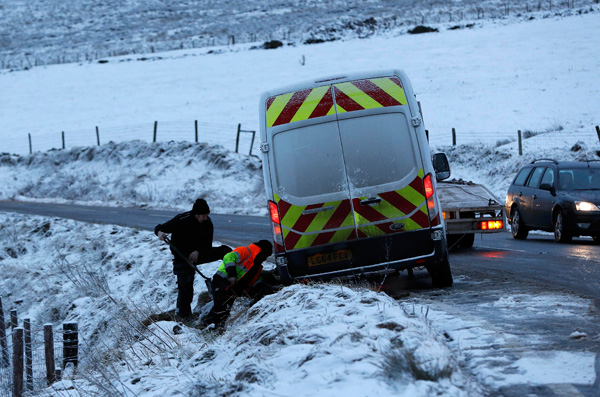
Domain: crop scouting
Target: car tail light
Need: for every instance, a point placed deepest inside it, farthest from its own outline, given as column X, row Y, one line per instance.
column 434, row 215
column 490, row 225
column 276, row 226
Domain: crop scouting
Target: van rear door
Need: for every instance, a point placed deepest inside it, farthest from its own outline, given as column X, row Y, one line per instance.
column 381, row 156
column 307, row 172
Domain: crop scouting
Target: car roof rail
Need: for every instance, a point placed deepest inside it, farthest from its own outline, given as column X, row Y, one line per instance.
column 589, row 161
column 551, row 160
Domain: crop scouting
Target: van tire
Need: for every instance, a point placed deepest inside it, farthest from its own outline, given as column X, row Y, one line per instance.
column 284, row 276
column 441, row 275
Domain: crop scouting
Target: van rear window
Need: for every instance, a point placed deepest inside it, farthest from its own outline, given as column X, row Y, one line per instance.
column 308, row 161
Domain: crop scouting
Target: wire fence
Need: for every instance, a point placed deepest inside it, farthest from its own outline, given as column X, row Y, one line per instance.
column 234, row 138
column 230, row 136
column 33, row 357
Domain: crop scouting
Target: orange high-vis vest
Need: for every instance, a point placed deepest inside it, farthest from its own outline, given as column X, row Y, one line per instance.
column 243, row 259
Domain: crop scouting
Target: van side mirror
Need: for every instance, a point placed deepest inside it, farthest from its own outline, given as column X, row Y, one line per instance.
column 441, row 166
column 548, row 187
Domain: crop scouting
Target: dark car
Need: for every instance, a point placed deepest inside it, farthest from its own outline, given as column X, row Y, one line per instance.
column 556, row 196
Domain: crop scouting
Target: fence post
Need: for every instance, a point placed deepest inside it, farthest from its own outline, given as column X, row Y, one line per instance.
column 17, row 362
column 30, row 151
column 598, row 132
column 155, row 128
column 13, row 319
column 252, row 142
column 453, row 137
column 28, row 354
column 196, row 129
column 98, row 135
column 63, row 139
column 70, row 344
column 237, row 139
column 4, row 362
column 49, row 354
column 520, row 144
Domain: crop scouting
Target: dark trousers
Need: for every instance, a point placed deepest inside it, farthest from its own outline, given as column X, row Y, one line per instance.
column 185, row 279
column 223, row 299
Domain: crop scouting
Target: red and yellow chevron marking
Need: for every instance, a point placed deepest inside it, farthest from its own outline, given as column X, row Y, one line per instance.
column 300, row 105
column 369, row 94
column 350, row 96
column 410, row 200
column 306, row 230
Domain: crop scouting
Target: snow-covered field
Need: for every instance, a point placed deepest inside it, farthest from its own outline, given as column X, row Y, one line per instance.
column 338, row 339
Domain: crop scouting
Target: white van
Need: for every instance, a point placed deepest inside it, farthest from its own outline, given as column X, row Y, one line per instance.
column 349, row 179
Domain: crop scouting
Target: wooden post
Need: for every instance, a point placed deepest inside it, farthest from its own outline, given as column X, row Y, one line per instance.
column 49, row 354
column 453, row 137
column 252, row 142
column 598, row 132
column 28, row 354
column 155, row 128
column 63, row 139
column 13, row 319
column 4, row 360
column 196, row 129
column 98, row 135
column 17, row 362
column 30, row 150
column 70, row 344
column 237, row 140
column 520, row 144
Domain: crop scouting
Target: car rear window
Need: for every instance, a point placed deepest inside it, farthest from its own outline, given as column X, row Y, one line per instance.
column 522, row 177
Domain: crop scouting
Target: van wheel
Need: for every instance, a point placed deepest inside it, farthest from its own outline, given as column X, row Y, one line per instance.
column 441, row 275
column 561, row 234
column 517, row 227
column 284, row 276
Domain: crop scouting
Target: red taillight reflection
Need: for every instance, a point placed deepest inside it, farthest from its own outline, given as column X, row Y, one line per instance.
column 428, row 186
column 490, row 225
column 274, row 211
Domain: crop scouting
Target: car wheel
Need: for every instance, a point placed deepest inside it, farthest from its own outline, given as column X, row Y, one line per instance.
column 561, row 234
column 517, row 227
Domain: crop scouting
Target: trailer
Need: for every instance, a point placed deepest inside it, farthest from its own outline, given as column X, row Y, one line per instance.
column 469, row 208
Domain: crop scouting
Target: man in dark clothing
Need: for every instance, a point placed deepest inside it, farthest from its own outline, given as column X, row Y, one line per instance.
column 239, row 274
column 191, row 235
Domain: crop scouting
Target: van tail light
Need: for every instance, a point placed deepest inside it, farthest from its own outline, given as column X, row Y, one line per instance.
column 490, row 225
column 276, row 227
column 434, row 213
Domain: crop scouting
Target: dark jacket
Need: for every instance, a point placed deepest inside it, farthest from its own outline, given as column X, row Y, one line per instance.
column 188, row 236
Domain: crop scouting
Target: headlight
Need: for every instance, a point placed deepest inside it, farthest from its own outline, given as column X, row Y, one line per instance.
column 585, row 206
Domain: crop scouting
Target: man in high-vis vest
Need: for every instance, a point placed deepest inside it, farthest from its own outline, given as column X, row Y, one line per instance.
column 238, row 275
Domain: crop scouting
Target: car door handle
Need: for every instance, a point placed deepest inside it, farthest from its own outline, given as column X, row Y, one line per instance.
column 520, row 194
column 534, row 196
column 371, row 201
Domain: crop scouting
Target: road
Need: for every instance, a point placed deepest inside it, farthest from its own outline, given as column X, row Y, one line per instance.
column 521, row 297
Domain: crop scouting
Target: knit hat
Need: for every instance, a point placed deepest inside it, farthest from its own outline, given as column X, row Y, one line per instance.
column 265, row 246
column 200, row 207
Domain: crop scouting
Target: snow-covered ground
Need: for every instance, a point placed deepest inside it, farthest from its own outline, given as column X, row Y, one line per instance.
column 541, row 75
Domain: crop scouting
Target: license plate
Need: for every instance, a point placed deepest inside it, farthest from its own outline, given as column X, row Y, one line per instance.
column 329, row 257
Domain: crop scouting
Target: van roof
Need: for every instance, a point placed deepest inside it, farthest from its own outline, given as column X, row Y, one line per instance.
column 332, row 79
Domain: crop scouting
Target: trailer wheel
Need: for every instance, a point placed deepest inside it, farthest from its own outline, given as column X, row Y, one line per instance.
column 467, row 240
column 441, row 275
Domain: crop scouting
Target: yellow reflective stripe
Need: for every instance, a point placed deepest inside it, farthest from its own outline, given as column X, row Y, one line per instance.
column 342, row 235
column 413, row 196
column 306, row 240
column 372, row 231
column 393, row 89
column 310, row 103
column 358, row 96
column 340, row 109
column 292, row 216
column 277, row 107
